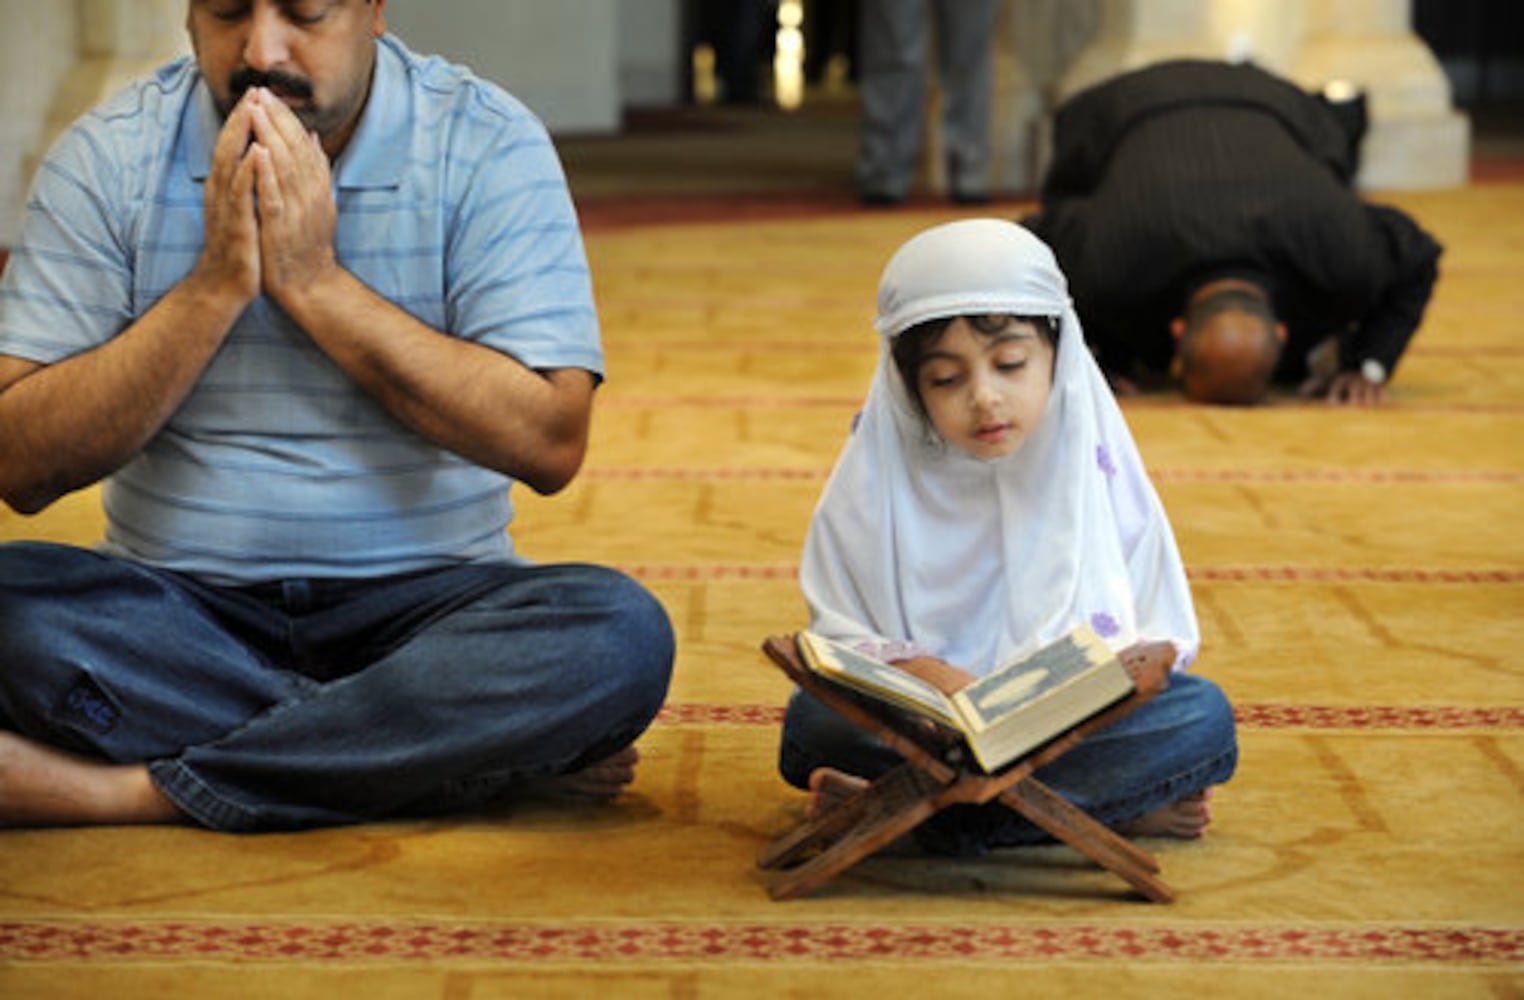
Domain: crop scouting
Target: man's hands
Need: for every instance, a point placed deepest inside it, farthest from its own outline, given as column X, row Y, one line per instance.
column 297, row 214
column 1345, row 389
column 271, row 221
column 270, row 213
column 229, row 264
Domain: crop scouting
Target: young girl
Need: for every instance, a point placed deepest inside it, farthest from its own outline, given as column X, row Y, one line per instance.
column 989, row 500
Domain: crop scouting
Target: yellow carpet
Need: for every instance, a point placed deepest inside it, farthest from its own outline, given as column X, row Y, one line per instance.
column 1360, row 580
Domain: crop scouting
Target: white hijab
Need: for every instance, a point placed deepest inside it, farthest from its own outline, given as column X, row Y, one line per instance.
column 977, row 562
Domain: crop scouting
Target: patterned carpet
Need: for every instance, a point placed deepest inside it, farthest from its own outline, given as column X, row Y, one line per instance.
column 1360, row 580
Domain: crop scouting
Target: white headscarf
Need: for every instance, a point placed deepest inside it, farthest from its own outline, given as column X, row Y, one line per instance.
column 977, row 562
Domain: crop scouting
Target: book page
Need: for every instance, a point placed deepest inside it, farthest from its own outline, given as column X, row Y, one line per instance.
column 841, row 663
column 988, row 699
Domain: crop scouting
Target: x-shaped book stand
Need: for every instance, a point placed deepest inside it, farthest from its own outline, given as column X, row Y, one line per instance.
column 907, row 795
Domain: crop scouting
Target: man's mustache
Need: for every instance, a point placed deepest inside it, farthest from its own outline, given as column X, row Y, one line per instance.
column 283, row 84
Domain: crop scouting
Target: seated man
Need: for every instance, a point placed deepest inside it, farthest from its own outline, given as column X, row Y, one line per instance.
column 1205, row 217
column 309, row 304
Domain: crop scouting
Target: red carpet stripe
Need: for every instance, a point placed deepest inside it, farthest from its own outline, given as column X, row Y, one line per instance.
column 655, row 572
column 1473, row 350
column 368, row 941
column 853, row 345
column 780, row 401
column 706, row 475
column 1337, row 476
column 696, row 573
column 728, row 402
column 1351, row 574
column 1428, row 718
column 1343, row 476
column 782, row 348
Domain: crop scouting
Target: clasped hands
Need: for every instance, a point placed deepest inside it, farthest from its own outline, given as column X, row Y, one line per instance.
column 270, row 212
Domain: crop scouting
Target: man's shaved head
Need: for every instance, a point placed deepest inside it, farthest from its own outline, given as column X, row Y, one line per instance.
column 1230, row 348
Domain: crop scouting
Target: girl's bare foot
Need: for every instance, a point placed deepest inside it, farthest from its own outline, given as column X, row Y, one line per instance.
column 598, row 782
column 41, row 786
column 829, row 787
column 1186, row 818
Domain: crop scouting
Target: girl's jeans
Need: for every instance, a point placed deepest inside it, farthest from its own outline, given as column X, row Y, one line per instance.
column 315, row 702
column 1180, row 742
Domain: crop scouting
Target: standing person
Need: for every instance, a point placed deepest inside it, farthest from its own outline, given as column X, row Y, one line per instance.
column 741, row 33
column 894, row 43
column 989, row 500
column 309, row 304
column 1205, row 215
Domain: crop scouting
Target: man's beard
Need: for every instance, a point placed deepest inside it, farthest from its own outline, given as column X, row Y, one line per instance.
column 284, row 85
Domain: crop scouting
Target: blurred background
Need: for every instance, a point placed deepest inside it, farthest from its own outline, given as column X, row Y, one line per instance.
column 692, row 99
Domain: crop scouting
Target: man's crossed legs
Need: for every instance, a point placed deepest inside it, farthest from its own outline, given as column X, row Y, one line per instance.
column 129, row 694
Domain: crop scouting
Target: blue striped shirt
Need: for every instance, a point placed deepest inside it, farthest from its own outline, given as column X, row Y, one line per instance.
column 452, row 204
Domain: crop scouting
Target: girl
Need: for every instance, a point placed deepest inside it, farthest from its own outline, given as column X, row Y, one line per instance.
column 990, row 499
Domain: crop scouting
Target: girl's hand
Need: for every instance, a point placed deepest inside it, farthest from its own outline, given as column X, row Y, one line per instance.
column 1149, row 664
column 939, row 674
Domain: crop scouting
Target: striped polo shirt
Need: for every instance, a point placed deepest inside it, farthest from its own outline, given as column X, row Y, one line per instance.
column 452, row 204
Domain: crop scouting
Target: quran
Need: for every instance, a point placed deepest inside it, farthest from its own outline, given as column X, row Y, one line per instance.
column 1000, row 717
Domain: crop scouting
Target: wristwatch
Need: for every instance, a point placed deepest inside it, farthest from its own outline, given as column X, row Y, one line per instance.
column 1373, row 371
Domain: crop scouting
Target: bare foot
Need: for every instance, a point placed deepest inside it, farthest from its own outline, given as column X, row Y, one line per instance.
column 598, row 782
column 1186, row 818
column 828, row 788
column 41, row 786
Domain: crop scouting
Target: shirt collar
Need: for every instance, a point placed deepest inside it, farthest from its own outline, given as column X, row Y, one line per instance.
column 376, row 155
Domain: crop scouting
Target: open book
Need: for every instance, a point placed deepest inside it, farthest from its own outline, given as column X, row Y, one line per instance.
column 1002, row 716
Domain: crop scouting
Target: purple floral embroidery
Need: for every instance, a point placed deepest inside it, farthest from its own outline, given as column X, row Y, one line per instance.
column 1103, row 459
column 890, row 650
column 1105, row 626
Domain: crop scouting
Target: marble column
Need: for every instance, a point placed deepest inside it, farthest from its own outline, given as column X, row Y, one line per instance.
column 1136, row 33
column 37, row 50
column 1416, row 138
column 1035, row 41
column 61, row 59
column 119, row 41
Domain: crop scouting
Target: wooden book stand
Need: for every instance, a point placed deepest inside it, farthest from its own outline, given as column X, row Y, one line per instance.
column 907, row 795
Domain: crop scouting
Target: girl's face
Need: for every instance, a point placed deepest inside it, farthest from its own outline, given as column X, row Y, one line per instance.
column 985, row 393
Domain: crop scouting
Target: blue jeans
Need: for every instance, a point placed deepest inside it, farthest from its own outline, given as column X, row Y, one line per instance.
column 1181, row 741
column 307, row 703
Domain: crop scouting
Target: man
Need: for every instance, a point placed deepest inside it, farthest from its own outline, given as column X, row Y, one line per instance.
column 1204, row 215
column 894, row 47
column 309, row 304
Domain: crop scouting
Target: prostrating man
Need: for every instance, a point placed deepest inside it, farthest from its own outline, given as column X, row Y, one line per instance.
column 1205, row 216
column 309, row 304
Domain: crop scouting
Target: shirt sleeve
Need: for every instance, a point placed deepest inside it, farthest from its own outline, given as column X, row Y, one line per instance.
column 1383, row 333
column 517, row 270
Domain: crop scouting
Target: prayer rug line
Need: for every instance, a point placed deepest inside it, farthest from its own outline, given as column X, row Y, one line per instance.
column 853, row 347
column 1257, row 715
column 614, row 941
column 853, row 403
column 689, row 572
column 1167, row 475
